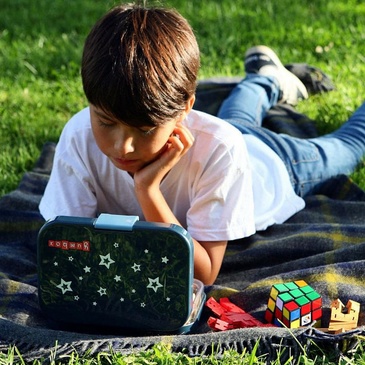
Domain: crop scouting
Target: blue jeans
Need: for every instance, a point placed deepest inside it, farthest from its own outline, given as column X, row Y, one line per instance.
column 310, row 162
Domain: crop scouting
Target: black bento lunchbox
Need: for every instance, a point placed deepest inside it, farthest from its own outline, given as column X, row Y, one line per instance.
column 116, row 271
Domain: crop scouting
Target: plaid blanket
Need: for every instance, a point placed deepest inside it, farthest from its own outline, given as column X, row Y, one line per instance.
column 324, row 245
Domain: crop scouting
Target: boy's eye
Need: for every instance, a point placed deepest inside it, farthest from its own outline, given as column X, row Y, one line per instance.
column 147, row 131
column 105, row 124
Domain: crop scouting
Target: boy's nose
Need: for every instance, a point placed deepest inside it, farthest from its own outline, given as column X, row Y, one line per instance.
column 124, row 145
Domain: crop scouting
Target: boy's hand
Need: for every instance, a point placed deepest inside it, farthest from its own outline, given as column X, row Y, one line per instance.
column 177, row 145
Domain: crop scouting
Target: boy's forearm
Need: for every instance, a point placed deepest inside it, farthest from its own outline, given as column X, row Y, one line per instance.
column 155, row 207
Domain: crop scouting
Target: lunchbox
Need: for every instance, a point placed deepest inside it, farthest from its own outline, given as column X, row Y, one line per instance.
column 118, row 272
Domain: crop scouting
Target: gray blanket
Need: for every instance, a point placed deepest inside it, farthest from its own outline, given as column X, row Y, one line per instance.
column 324, row 245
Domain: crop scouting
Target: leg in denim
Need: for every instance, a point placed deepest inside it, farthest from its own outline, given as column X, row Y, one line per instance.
column 250, row 100
column 309, row 162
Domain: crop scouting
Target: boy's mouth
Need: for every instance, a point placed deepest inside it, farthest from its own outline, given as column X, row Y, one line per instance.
column 124, row 163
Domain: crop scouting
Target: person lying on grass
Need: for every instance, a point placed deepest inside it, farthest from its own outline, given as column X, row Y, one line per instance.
column 140, row 149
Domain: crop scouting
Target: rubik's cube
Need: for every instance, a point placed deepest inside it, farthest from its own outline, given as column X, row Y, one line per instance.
column 293, row 304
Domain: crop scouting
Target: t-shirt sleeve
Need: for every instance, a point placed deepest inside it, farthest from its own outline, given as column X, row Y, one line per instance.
column 67, row 193
column 69, row 190
column 222, row 206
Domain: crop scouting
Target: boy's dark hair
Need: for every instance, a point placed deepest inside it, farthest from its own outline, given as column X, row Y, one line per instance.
column 140, row 64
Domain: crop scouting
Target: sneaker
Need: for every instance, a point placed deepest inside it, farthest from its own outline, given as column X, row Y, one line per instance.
column 313, row 78
column 263, row 60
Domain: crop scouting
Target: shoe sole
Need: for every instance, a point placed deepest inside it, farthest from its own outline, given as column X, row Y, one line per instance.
column 272, row 56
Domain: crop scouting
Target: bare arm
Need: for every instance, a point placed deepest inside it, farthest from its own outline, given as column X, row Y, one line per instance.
column 208, row 256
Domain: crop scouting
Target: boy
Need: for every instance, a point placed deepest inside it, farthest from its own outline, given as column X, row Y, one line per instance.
column 140, row 149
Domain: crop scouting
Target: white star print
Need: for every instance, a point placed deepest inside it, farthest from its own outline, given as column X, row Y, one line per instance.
column 102, row 291
column 116, row 244
column 87, row 269
column 164, row 260
column 65, row 286
column 70, row 258
column 106, row 260
column 154, row 284
column 117, row 278
column 136, row 267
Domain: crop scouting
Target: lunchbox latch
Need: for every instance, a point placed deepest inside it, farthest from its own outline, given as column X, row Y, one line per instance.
column 115, row 222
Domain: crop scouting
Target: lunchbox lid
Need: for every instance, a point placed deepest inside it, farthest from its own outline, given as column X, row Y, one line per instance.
column 116, row 271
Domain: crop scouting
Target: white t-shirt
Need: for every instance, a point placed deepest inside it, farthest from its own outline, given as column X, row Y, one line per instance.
column 211, row 190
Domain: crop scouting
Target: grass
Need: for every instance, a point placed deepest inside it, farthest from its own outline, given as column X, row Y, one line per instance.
column 41, row 44
column 161, row 355
column 40, row 49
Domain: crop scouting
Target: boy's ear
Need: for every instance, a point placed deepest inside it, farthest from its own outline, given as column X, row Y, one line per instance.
column 190, row 104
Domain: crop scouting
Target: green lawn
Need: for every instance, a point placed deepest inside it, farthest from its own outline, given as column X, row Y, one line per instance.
column 41, row 43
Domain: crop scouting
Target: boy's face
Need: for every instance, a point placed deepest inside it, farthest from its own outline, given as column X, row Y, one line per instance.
column 129, row 148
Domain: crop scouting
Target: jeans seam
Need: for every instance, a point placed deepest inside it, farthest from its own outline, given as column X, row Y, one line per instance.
column 312, row 159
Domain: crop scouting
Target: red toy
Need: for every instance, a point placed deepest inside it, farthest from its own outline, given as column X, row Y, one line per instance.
column 230, row 316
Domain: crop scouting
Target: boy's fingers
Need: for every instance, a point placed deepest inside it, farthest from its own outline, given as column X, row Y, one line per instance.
column 184, row 135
